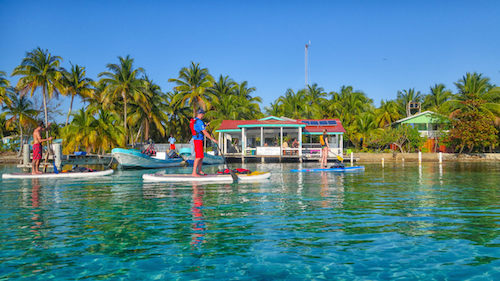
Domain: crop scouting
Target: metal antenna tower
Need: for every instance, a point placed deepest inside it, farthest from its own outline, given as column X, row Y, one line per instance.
column 307, row 63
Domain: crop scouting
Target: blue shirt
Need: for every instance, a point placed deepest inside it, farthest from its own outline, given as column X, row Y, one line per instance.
column 199, row 126
column 171, row 140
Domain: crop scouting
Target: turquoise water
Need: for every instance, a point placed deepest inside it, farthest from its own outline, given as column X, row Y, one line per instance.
column 397, row 222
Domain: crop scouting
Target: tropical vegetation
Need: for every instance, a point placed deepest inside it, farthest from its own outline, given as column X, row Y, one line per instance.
column 123, row 106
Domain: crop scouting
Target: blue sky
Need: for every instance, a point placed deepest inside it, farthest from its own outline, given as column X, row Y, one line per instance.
column 378, row 47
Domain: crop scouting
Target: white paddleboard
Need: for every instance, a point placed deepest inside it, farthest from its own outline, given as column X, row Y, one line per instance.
column 216, row 178
column 59, row 175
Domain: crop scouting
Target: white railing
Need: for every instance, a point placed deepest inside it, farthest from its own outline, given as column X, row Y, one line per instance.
column 432, row 133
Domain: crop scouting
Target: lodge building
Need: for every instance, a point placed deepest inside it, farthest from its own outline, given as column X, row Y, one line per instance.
column 279, row 137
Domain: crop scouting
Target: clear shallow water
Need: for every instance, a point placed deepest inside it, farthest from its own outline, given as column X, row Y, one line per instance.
column 399, row 222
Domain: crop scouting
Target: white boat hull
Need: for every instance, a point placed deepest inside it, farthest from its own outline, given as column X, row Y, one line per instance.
column 59, row 175
column 129, row 160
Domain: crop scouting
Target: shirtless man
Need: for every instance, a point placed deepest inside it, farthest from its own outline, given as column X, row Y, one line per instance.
column 37, row 147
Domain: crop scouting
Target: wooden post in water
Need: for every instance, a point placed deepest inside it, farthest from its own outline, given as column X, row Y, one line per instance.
column 352, row 159
column 419, row 157
column 440, row 157
column 382, row 162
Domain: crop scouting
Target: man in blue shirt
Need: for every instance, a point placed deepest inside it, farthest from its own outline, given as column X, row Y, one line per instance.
column 198, row 130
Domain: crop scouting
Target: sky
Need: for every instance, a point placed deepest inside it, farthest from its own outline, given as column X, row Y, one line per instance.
column 378, row 47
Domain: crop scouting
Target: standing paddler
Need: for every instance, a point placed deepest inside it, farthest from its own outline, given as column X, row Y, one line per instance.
column 198, row 130
column 37, row 147
column 325, row 147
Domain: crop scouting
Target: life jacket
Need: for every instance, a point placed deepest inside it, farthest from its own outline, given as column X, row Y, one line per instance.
column 193, row 131
column 322, row 140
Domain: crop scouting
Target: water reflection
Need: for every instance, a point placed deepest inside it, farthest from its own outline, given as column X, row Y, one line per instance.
column 35, row 210
column 199, row 227
column 324, row 192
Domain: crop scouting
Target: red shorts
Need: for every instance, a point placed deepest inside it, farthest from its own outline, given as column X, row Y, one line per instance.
column 198, row 148
column 172, row 146
column 37, row 151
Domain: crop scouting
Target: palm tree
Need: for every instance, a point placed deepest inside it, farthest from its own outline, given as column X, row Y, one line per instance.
column 476, row 87
column 243, row 90
column 179, row 117
column 273, row 109
column 353, row 103
column 295, row 105
column 435, row 100
column 387, row 113
column 234, row 108
column 76, row 84
column 406, row 96
column 80, row 132
column 94, row 135
column 3, row 127
column 333, row 106
column 22, row 115
column 348, row 105
column 39, row 69
column 364, row 124
column 110, row 133
column 315, row 93
column 192, row 86
column 123, row 83
column 4, row 85
column 154, row 114
column 224, row 86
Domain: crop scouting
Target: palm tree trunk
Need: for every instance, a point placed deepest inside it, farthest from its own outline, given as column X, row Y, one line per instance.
column 45, row 111
column 138, row 133
column 146, row 131
column 125, row 116
column 21, row 139
column 69, row 111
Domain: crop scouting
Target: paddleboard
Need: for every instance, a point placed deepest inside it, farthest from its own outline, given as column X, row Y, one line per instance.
column 59, row 175
column 216, row 178
column 345, row 169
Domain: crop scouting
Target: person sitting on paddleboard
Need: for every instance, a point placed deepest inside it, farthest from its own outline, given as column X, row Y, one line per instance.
column 37, row 147
column 198, row 130
column 323, row 139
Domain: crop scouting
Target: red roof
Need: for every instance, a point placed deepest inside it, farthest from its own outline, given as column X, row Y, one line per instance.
column 337, row 128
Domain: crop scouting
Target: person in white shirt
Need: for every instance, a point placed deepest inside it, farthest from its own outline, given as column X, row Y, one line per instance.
column 172, row 140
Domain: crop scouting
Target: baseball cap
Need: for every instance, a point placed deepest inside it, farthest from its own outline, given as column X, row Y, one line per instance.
column 201, row 111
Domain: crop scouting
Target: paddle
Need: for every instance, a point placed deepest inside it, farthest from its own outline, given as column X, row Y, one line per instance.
column 233, row 175
column 49, row 150
column 339, row 158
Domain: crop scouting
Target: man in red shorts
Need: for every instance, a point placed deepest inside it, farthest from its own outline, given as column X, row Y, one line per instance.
column 172, row 140
column 198, row 130
column 37, row 147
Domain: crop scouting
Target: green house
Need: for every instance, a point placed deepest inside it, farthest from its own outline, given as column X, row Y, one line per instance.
column 428, row 123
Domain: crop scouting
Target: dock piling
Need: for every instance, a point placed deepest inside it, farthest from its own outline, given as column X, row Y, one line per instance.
column 26, row 155
column 57, row 155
